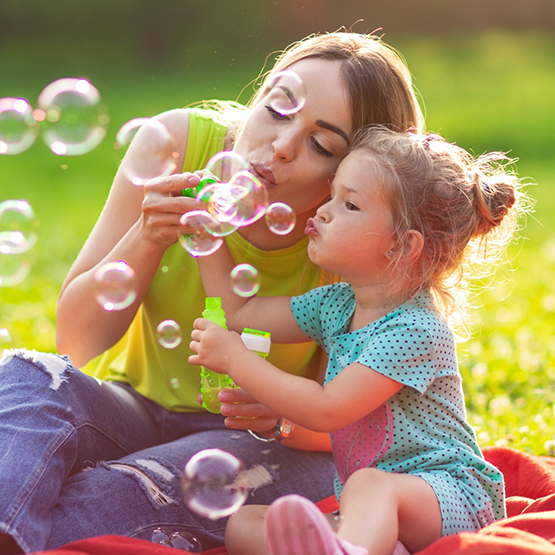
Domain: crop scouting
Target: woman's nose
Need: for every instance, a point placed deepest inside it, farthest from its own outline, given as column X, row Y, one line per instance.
column 285, row 145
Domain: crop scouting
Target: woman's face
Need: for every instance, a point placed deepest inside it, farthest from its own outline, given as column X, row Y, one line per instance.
column 296, row 155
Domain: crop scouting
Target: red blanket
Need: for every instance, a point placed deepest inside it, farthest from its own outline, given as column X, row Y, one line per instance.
column 528, row 530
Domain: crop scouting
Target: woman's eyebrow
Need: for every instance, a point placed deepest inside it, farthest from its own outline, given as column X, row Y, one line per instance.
column 334, row 129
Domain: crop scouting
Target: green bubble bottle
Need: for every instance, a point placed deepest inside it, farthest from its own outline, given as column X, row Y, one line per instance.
column 211, row 383
column 205, row 180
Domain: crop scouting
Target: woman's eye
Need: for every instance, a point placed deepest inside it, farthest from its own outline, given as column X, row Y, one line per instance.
column 351, row 206
column 321, row 150
column 275, row 114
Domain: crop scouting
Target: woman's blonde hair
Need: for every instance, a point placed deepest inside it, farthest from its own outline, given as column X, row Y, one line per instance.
column 378, row 81
column 466, row 209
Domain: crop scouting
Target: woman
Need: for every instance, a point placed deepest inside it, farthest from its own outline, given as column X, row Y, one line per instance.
column 133, row 412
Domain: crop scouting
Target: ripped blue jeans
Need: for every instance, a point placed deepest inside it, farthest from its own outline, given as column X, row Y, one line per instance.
column 81, row 458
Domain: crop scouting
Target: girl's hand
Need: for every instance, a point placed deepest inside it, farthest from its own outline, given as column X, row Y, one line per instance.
column 164, row 204
column 216, row 347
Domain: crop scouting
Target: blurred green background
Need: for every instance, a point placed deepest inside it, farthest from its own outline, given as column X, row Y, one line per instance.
column 485, row 70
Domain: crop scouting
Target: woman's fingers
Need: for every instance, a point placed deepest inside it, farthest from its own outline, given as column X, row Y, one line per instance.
column 164, row 204
column 173, row 184
column 254, row 424
column 244, row 412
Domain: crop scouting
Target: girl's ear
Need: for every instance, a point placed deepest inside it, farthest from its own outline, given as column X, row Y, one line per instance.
column 414, row 243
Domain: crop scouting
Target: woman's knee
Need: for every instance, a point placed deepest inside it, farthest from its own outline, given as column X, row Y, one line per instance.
column 25, row 366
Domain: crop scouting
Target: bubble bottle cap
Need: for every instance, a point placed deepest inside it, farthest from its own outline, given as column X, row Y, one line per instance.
column 256, row 340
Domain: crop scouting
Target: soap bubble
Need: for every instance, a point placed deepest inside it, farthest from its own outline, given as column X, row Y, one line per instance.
column 168, row 334
column 116, row 285
column 221, row 206
column 287, row 94
column 225, row 164
column 186, row 542
column 18, row 127
column 179, row 539
column 214, row 483
column 18, row 227
column 155, row 151
column 128, row 131
column 73, row 118
column 14, row 268
column 175, row 383
column 193, row 234
column 251, row 199
column 245, row 280
column 222, row 203
column 6, row 342
column 280, row 218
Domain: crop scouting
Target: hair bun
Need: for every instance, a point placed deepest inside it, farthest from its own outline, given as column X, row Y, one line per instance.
column 495, row 194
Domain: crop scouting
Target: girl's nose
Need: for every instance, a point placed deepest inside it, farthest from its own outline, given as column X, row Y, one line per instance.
column 323, row 212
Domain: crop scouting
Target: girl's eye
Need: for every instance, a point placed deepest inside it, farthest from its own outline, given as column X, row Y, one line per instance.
column 351, row 206
column 275, row 114
column 321, row 150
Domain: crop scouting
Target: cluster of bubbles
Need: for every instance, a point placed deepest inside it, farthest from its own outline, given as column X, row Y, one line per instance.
column 234, row 198
column 69, row 117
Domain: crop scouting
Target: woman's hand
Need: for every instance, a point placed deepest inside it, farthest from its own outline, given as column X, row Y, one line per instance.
column 164, row 204
column 244, row 412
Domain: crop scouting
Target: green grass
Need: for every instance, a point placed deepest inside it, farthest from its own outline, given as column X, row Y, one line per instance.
column 489, row 91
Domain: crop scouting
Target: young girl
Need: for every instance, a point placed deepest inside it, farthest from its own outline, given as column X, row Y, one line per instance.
column 405, row 215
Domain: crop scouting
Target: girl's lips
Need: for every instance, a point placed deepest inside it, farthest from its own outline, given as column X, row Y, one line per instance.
column 264, row 175
column 311, row 228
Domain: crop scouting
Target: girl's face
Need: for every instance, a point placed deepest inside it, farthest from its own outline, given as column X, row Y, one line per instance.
column 352, row 234
column 295, row 156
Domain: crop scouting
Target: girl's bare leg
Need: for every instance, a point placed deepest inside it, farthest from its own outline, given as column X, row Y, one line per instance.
column 379, row 508
column 244, row 533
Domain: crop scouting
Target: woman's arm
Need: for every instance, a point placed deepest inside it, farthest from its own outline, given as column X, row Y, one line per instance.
column 355, row 392
column 137, row 224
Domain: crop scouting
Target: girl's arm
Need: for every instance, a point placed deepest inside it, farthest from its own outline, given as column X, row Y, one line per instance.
column 355, row 392
column 271, row 314
column 247, row 413
column 137, row 224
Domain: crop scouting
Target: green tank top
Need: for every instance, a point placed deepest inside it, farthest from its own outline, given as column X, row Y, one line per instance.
column 176, row 293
